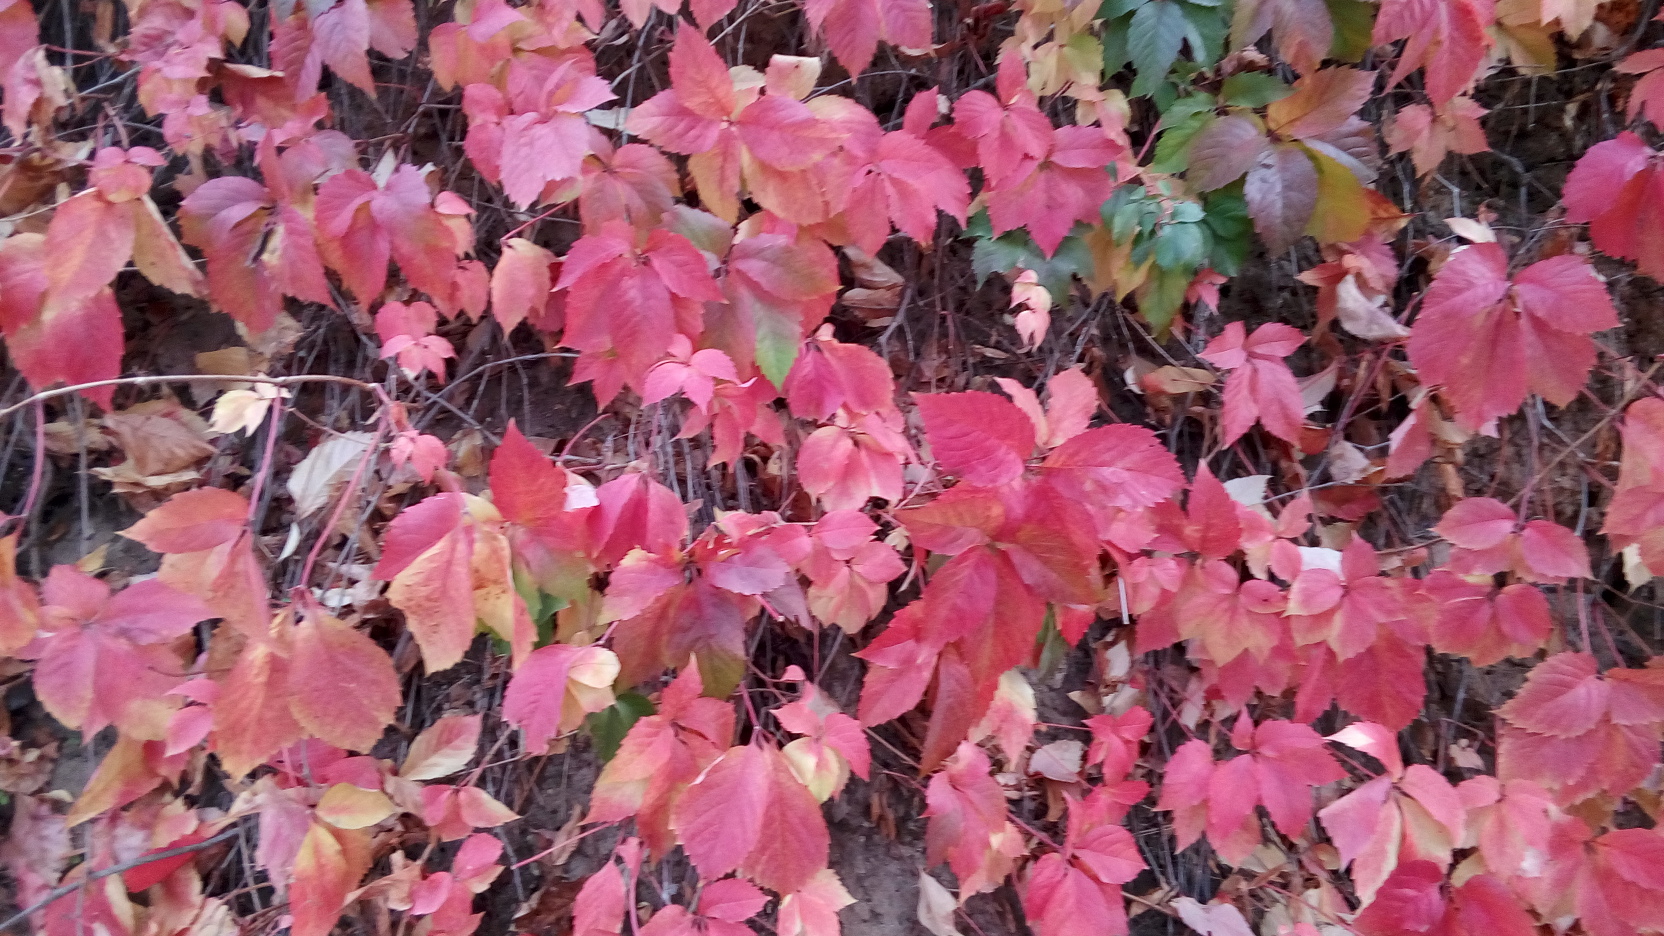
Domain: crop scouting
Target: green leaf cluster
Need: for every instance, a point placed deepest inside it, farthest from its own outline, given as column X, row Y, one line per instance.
column 1178, row 237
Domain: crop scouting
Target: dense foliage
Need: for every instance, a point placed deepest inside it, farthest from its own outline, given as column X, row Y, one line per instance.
column 1055, row 419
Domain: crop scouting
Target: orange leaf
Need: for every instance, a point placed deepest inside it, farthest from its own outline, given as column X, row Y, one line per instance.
column 321, row 883
column 252, row 717
column 343, row 686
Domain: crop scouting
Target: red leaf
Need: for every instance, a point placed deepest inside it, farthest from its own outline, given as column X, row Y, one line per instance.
column 520, row 283
column 721, row 818
column 323, row 877
column 785, row 288
column 1487, row 626
column 1633, row 518
column 812, row 910
column 913, row 180
column 38, row 339
column 362, row 225
column 1430, row 134
column 1302, row 28
column 252, row 716
column 1554, row 552
column 1484, row 906
column 1410, row 901
column 88, row 241
column 1284, row 760
column 1260, row 388
column 1120, row 466
column 343, row 686
column 555, row 688
column 731, row 900
column 853, row 27
column 103, row 659
column 636, row 511
column 1068, row 185
column 979, row 437
column 967, row 813
column 1563, row 696
column 259, row 242
column 844, row 468
column 526, row 487
column 428, row 557
column 1477, row 523
column 1011, row 136
column 1617, row 189
column 1449, row 39
column 628, row 299
column 830, row 375
column 634, row 183
column 1577, row 732
column 192, row 521
column 600, row 905
column 1533, row 337
column 1062, row 900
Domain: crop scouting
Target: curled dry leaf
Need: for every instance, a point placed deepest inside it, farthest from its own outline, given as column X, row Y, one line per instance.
column 320, row 475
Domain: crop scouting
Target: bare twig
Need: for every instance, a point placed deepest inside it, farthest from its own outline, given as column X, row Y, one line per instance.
column 192, row 378
column 65, row 890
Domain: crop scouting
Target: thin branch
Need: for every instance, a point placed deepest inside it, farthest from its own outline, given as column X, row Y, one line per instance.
column 65, row 890
column 193, row 378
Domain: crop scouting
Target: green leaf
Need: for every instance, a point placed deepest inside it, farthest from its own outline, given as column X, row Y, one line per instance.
column 1226, row 217
column 1180, row 246
column 1185, row 212
column 609, row 726
column 1162, row 297
column 1254, row 89
column 1116, row 55
column 1154, row 36
column 1127, row 218
column 990, row 255
column 1118, row 199
column 1054, row 652
column 1173, row 149
column 1115, row 9
column 778, row 338
column 1208, row 27
column 1186, row 108
column 1354, row 22
column 1016, row 249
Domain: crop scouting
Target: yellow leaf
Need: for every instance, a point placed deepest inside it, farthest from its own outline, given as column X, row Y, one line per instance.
column 817, row 766
column 1112, row 267
column 1342, row 213
column 346, row 806
column 321, row 883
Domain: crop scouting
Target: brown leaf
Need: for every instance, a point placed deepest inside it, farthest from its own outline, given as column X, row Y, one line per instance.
column 1224, row 150
column 549, row 912
column 1365, row 316
column 1321, row 102
column 1172, row 379
column 159, row 443
column 1281, row 193
column 25, row 769
column 936, row 906
column 871, row 273
column 1059, row 760
column 563, row 842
